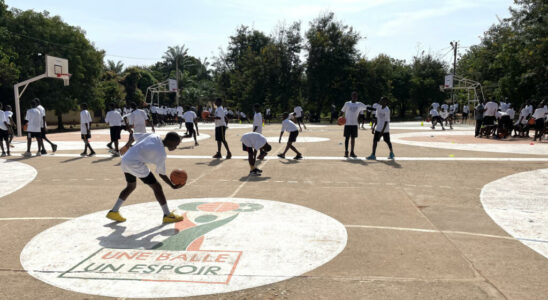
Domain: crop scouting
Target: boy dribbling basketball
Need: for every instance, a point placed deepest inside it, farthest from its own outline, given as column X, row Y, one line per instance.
column 150, row 149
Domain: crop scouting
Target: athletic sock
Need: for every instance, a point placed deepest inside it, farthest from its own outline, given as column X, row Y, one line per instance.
column 118, row 204
column 165, row 209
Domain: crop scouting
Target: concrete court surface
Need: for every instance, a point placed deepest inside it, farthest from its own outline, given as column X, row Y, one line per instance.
column 415, row 227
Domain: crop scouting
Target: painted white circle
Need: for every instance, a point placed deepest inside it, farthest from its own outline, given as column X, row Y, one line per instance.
column 502, row 147
column 14, row 175
column 304, row 139
column 223, row 245
column 519, row 204
column 79, row 145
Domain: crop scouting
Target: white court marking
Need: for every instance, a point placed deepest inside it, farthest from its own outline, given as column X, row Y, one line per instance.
column 303, row 139
column 519, row 204
column 79, row 145
column 223, row 245
column 14, row 175
column 536, row 149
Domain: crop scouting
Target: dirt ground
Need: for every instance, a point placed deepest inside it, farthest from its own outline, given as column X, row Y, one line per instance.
column 416, row 227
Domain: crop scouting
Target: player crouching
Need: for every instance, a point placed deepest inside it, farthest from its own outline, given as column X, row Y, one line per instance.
column 251, row 143
column 148, row 150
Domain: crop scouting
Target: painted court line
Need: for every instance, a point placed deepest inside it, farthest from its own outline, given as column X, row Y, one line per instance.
column 495, row 159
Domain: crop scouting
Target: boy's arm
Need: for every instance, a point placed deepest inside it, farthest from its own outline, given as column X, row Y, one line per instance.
column 280, row 140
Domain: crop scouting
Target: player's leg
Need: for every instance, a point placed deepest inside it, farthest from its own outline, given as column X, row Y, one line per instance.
column 2, row 144
column 40, row 144
column 376, row 139
column 228, row 153
column 386, row 138
column 114, row 213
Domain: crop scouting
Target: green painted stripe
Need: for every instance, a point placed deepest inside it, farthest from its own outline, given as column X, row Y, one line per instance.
column 61, row 276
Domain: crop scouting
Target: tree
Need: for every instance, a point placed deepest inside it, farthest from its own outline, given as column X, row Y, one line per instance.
column 426, row 74
column 116, row 67
column 332, row 53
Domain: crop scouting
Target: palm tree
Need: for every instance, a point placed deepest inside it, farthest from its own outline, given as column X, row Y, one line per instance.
column 117, row 67
column 178, row 58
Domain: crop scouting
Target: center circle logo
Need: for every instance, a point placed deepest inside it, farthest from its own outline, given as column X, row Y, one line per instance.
column 222, row 245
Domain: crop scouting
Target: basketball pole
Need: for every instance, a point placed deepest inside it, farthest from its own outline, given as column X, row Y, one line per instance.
column 18, row 95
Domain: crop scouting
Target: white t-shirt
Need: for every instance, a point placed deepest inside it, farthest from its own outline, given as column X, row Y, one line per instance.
column 376, row 106
column 444, row 107
column 529, row 108
column 298, row 111
column 465, row 109
column 8, row 114
column 220, row 113
column 43, row 112
column 268, row 111
column 34, row 116
column 511, row 112
column 2, row 120
column 435, row 105
column 149, row 149
column 254, row 140
column 179, row 111
column 539, row 113
column 138, row 119
column 434, row 113
column 113, row 118
column 189, row 116
column 490, row 109
column 289, row 126
column 85, row 118
column 383, row 116
column 351, row 111
column 523, row 115
column 503, row 106
column 258, row 122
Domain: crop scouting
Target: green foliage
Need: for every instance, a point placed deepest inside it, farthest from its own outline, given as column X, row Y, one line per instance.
column 512, row 57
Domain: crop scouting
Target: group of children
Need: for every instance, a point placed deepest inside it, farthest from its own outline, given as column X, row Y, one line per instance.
column 498, row 120
column 446, row 114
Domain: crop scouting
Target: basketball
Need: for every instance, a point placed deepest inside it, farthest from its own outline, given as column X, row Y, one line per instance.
column 123, row 150
column 178, row 177
column 341, row 121
column 531, row 121
column 205, row 114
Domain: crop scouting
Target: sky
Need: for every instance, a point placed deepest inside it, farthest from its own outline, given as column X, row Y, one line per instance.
column 139, row 32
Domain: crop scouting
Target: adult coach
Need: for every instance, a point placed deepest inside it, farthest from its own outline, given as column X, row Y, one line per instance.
column 351, row 111
column 251, row 143
column 148, row 150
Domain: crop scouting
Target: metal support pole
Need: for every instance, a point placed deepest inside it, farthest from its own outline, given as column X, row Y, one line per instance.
column 18, row 95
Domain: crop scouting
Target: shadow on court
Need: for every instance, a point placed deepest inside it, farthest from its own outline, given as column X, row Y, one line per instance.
column 391, row 163
column 356, row 161
column 103, row 160
column 117, row 240
column 289, row 161
column 254, row 178
column 213, row 163
column 72, row 159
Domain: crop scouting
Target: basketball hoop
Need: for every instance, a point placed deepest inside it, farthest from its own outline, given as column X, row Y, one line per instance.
column 65, row 77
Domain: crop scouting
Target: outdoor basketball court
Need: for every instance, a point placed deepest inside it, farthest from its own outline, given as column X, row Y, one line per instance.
column 452, row 217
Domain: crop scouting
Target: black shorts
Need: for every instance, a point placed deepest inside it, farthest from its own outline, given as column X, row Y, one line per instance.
column 539, row 124
column 465, row 115
column 220, row 133
column 190, row 127
column 43, row 131
column 246, row 148
column 150, row 179
column 180, row 119
column 489, row 120
column 385, row 136
column 115, row 132
column 34, row 134
column 86, row 136
column 300, row 119
column 293, row 136
column 4, row 134
column 437, row 119
column 351, row 131
column 361, row 118
column 123, row 127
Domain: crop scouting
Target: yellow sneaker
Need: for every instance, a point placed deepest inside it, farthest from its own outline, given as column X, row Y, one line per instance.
column 115, row 216
column 172, row 218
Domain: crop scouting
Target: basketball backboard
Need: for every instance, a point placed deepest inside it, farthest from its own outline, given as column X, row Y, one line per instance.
column 56, row 66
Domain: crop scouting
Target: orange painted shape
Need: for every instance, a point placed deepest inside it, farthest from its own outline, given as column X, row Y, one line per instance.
column 218, row 206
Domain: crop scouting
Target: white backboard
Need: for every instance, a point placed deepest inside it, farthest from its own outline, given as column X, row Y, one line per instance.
column 55, row 66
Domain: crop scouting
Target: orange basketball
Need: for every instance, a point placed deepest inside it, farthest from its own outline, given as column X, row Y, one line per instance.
column 205, row 114
column 341, row 121
column 178, row 176
column 531, row 121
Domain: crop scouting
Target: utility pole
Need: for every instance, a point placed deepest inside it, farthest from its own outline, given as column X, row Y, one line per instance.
column 454, row 44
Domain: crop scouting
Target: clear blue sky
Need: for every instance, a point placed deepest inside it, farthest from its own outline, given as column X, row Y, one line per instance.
column 144, row 29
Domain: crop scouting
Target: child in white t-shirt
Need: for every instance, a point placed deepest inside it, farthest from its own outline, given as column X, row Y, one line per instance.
column 257, row 119
column 220, row 129
column 34, row 128
column 191, row 120
column 251, row 143
column 4, row 132
column 382, row 129
column 85, row 129
column 148, row 150
column 289, row 126
column 299, row 116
